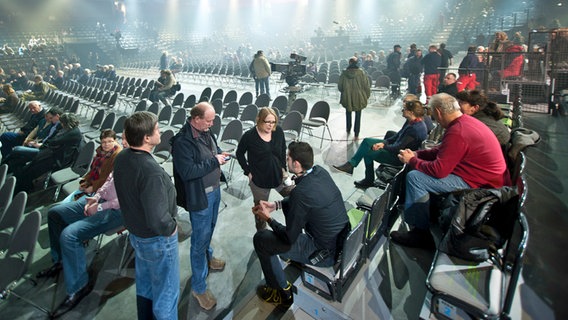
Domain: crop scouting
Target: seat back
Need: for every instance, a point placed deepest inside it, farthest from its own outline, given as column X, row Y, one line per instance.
column 217, row 105
column 178, row 100
column 108, row 122
column 179, row 118
column 281, row 103
column 154, row 108
column 3, row 173
column 119, row 125
column 165, row 115
column 11, row 218
column 22, row 245
column 351, row 254
column 262, row 100
column 190, row 101
column 163, row 150
column 205, row 93
column 84, row 158
column 6, row 194
column 233, row 131
column 320, row 111
column 231, row 111
column 97, row 119
column 230, row 96
column 216, row 127
column 249, row 113
column 141, row 106
column 300, row 105
column 218, row 94
column 246, row 98
column 332, row 282
column 292, row 125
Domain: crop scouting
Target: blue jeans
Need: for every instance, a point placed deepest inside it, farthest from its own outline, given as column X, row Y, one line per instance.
column 365, row 152
column 68, row 228
column 157, row 273
column 202, row 227
column 268, row 246
column 10, row 140
column 264, row 86
column 418, row 188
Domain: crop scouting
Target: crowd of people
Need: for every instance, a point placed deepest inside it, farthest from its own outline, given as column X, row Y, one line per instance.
column 125, row 186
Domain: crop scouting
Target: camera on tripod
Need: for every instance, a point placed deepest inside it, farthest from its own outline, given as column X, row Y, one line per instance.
column 292, row 70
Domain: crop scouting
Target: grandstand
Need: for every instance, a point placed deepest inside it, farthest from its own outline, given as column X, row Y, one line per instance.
column 215, row 41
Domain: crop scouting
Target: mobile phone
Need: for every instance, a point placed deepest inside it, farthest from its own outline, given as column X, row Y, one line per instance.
column 227, row 158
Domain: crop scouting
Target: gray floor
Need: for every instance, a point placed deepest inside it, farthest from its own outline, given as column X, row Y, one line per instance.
column 393, row 280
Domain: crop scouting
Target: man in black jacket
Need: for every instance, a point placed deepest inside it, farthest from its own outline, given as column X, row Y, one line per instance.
column 314, row 205
column 197, row 165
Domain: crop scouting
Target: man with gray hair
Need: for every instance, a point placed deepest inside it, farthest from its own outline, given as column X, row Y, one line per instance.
column 469, row 156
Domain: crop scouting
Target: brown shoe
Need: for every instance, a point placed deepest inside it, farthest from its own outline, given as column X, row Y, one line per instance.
column 216, row 264
column 346, row 167
column 206, row 300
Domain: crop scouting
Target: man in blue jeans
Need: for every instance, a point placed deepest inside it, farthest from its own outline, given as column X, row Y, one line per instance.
column 197, row 166
column 70, row 224
column 148, row 203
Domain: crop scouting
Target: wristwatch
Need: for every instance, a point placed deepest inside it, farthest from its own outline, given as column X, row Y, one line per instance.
column 269, row 221
column 100, row 207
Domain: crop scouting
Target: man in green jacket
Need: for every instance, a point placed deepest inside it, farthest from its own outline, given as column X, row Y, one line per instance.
column 355, row 91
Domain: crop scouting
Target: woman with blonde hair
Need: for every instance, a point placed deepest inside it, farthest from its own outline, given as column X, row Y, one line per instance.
column 265, row 161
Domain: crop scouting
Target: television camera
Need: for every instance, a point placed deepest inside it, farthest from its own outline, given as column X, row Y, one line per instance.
column 292, row 70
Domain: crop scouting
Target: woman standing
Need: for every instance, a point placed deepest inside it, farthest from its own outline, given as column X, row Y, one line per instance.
column 355, row 91
column 265, row 161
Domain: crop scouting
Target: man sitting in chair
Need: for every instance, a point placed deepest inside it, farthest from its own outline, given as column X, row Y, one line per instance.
column 163, row 87
column 315, row 205
column 469, row 156
column 70, row 224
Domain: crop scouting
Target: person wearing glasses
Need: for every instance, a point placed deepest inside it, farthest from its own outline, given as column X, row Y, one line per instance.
column 410, row 136
column 265, row 161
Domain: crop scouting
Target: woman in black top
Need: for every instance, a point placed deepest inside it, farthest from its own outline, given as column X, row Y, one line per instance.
column 265, row 161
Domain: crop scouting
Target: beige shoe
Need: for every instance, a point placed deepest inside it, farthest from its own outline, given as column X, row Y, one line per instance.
column 206, row 300
column 216, row 264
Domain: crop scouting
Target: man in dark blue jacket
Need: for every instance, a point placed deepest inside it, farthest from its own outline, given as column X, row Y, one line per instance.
column 197, row 165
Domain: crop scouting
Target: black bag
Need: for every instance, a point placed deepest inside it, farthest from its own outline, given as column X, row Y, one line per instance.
column 478, row 223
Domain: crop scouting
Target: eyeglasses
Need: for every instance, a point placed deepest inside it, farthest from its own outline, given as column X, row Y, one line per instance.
column 269, row 122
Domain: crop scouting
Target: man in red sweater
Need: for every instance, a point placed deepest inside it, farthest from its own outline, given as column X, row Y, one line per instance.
column 469, row 156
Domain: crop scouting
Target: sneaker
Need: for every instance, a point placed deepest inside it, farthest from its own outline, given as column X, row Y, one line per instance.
column 216, row 264
column 280, row 297
column 363, row 184
column 346, row 167
column 206, row 300
column 415, row 238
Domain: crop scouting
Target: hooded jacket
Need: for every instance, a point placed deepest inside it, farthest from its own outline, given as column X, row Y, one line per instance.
column 355, row 88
